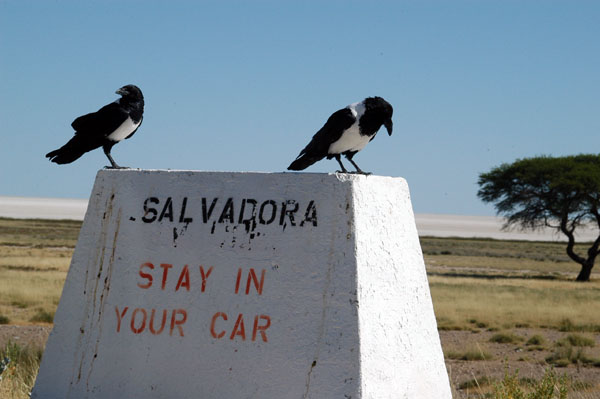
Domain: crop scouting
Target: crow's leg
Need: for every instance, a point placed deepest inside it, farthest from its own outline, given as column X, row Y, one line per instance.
column 338, row 158
column 358, row 170
column 113, row 164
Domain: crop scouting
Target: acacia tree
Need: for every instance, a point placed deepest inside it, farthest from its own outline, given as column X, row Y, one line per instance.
column 562, row 193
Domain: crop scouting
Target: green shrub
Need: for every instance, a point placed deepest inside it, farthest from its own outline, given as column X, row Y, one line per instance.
column 576, row 340
column 536, row 348
column 561, row 362
column 505, row 338
column 566, row 325
column 469, row 354
column 536, row 340
column 481, row 324
column 476, row 383
column 549, row 387
column 562, row 357
column 566, row 355
column 4, row 319
column 20, row 304
column 42, row 316
column 445, row 324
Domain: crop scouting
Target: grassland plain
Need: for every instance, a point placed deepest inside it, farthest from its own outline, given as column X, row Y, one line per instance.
column 504, row 306
column 34, row 258
column 501, row 306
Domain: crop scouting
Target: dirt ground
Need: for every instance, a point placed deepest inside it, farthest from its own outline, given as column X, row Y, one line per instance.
column 505, row 357
column 24, row 335
column 510, row 357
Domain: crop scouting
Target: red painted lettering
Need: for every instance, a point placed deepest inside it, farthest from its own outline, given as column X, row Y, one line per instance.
column 204, row 276
column 120, row 316
column 252, row 278
column 143, row 325
column 239, row 329
column 146, row 275
column 162, row 323
column 166, row 268
column 178, row 323
column 184, row 279
column 212, row 324
column 237, row 281
column 261, row 328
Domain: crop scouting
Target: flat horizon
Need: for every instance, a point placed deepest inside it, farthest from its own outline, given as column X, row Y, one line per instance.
column 428, row 224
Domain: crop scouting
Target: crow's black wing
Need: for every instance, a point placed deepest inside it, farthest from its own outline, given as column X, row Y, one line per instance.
column 102, row 122
column 318, row 147
column 331, row 132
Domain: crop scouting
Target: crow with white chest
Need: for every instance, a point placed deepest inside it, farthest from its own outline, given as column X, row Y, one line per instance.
column 104, row 128
column 346, row 132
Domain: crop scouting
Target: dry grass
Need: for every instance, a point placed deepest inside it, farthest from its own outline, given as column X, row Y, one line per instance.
column 482, row 285
column 496, row 257
column 34, row 259
column 38, row 233
column 536, row 250
column 507, row 303
column 471, row 353
column 22, row 364
column 503, row 284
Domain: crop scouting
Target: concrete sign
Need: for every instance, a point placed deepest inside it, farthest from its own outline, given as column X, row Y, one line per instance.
column 245, row 285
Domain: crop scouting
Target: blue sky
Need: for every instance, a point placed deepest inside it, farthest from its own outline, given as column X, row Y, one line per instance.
column 243, row 86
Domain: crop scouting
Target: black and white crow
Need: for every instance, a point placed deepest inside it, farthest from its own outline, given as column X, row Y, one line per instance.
column 346, row 132
column 104, row 128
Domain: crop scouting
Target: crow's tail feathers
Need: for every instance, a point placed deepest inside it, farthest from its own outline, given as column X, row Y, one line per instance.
column 71, row 151
column 303, row 161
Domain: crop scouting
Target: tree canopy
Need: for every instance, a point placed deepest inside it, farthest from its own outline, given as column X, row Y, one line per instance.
column 557, row 192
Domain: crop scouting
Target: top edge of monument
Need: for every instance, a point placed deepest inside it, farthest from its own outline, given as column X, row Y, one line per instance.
column 338, row 175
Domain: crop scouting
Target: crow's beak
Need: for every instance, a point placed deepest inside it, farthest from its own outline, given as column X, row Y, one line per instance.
column 122, row 91
column 388, row 125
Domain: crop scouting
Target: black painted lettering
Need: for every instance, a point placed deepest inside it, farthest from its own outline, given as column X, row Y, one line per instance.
column 167, row 211
column 310, row 215
column 150, row 211
column 207, row 213
column 261, row 213
column 227, row 213
column 285, row 210
column 250, row 222
column 182, row 218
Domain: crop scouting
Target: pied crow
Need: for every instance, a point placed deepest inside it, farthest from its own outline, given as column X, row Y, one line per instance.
column 346, row 132
column 104, row 128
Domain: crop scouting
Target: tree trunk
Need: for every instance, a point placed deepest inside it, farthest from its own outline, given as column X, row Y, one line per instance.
column 586, row 270
column 586, row 264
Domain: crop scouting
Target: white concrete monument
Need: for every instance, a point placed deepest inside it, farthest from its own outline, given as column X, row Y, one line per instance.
column 245, row 285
